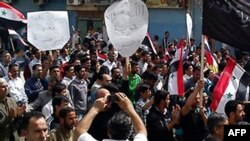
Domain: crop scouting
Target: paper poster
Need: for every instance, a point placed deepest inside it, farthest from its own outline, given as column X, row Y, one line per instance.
column 48, row 30
column 189, row 24
column 127, row 23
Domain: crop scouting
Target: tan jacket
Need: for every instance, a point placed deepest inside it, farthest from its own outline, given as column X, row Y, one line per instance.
column 57, row 135
column 7, row 125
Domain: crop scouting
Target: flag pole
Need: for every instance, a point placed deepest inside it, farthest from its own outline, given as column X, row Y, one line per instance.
column 202, row 68
column 12, row 45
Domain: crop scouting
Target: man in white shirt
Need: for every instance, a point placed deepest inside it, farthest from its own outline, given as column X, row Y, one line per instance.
column 119, row 126
column 57, row 90
column 69, row 75
column 111, row 62
column 37, row 59
column 143, row 63
column 16, row 84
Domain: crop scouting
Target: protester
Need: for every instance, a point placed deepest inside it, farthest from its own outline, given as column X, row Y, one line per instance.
column 67, row 122
column 160, row 121
column 119, row 126
column 235, row 111
column 9, row 112
column 193, row 117
column 34, row 127
column 216, row 123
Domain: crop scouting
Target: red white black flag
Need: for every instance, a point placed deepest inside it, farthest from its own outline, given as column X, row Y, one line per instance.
column 233, row 84
column 10, row 17
column 175, row 79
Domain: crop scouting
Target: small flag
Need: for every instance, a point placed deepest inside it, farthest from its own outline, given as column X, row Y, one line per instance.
column 148, row 42
column 10, row 17
column 212, row 63
column 175, row 80
column 15, row 36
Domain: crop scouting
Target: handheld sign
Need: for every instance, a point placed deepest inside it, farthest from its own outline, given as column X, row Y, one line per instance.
column 48, row 30
column 127, row 23
column 189, row 24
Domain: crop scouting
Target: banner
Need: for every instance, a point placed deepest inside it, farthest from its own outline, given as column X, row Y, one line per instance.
column 227, row 21
column 48, row 30
column 127, row 24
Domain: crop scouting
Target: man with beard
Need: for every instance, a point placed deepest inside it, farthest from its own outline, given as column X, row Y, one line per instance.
column 64, row 132
column 235, row 111
column 193, row 116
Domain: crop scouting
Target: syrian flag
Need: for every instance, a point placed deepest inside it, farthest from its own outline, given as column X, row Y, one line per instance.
column 212, row 63
column 233, row 84
column 148, row 42
column 11, row 18
column 175, row 80
column 15, row 36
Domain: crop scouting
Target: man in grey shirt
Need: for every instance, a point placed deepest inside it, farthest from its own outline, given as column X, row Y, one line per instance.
column 78, row 89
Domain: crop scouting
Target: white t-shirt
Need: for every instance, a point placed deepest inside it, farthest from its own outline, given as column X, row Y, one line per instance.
column 87, row 137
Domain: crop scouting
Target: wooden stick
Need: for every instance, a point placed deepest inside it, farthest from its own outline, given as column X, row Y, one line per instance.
column 12, row 45
column 202, row 67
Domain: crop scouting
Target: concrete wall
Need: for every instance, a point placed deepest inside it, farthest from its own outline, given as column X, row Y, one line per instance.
column 26, row 6
column 160, row 20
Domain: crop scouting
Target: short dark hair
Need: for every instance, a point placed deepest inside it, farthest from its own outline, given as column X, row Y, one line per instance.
column 57, row 101
column 120, row 126
column 84, row 60
column 133, row 63
column 152, row 76
column 111, row 87
column 27, row 116
column 99, row 76
column 231, row 106
column 113, row 69
column 53, row 79
column 214, row 120
column 104, row 69
column 64, row 111
column 160, row 95
column 12, row 65
column 143, row 88
column 67, row 67
column 35, row 66
column 78, row 68
column 53, row 67
column 58, row 88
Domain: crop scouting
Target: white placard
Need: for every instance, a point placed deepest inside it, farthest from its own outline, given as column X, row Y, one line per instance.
column 189, row 24
column 48, row 30
column 127, row 23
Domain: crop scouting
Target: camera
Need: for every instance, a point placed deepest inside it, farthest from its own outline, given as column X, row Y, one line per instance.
column 112, row 98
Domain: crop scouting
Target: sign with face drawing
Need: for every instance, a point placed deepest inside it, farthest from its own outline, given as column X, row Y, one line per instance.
column 48, row 30
column 126, row 23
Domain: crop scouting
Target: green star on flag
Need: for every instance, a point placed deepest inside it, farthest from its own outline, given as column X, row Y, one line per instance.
column 229, row 95
column 233, row 77
column 172, row 76
column 4, row 12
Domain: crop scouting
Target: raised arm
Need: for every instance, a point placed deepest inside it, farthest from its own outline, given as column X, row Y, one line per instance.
column 190, row 100
column 127, row 106
column 85, row 123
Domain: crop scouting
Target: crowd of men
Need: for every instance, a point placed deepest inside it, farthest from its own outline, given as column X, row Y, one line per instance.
column 88, row 91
